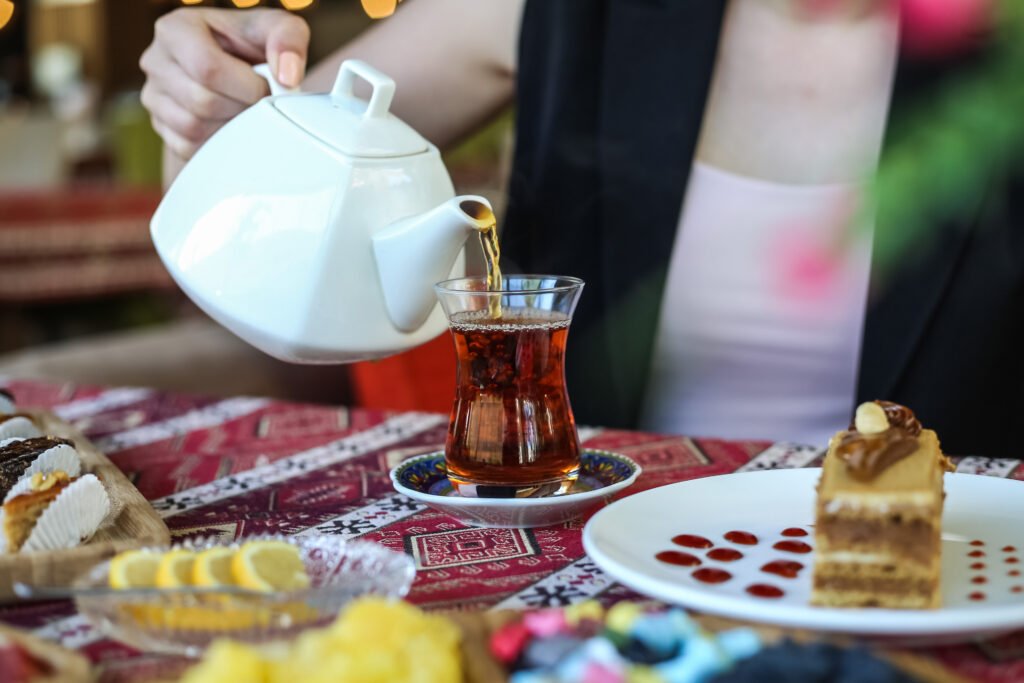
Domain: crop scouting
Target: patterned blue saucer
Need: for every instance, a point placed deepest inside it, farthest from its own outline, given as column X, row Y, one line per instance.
column 602, row 475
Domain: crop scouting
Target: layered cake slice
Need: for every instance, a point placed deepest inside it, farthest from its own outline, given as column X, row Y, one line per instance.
column 879, row 513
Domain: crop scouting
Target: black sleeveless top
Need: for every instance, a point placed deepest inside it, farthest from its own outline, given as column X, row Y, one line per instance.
column 611, row 95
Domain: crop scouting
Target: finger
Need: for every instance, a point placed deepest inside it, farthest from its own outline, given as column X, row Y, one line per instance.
column 168, row 77
column 279, row 37
column 181, row 147
column 182, row 121
column 188, row 39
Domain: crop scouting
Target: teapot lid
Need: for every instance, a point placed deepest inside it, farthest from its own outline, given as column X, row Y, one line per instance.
column 354, row 126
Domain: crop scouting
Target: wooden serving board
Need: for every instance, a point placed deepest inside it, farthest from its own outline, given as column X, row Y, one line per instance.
column 135, row 524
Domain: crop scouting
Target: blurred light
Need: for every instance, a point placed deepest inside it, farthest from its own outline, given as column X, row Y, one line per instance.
column 191, row 2
column 296, row 4
column 6, row 12
column 378, row 9
column 245, row 4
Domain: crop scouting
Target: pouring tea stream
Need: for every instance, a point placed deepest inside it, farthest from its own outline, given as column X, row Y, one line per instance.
column 314, row 226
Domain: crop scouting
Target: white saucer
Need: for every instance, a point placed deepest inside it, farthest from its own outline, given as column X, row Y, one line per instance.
column 602, row 475
column 624, row 538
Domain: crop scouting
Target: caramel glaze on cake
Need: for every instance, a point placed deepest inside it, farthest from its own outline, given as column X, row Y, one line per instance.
column 22, row 512
column 879, row 514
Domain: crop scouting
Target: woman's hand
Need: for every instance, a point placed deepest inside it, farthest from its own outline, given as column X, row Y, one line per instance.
column 199, row 68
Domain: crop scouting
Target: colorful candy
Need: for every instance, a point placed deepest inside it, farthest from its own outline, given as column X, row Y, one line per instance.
column 630, row 643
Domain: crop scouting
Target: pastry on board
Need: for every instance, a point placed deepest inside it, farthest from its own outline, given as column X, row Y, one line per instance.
column 52, row 511
column 21, row 458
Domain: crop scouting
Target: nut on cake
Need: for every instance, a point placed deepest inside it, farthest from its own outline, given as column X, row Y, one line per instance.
column 879, row 513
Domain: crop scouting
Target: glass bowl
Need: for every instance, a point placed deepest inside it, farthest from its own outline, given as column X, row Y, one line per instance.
column 185, row 621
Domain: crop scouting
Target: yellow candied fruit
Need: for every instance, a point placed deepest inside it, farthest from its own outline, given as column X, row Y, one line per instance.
column 228, row 661
column 372, row 641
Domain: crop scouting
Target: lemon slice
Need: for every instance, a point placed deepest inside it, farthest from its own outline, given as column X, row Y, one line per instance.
column 269, row 566
column 212, row 568
column 134, row 569
column 175, row 569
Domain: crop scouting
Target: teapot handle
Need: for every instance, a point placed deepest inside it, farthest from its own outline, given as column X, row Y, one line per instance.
column 276, row 88
column 383, row 87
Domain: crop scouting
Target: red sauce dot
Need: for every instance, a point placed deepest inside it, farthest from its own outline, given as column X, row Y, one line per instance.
column 691, row 541
column 763, row 590
column 977, row 596
column 793, row 547
column 978, row 565
column 1017, row 589
column 977, row 543
column 741, row 537
column 711, row 575
column 678, row 558
column 976, row 553
column 725, row 554
column 979, row 579
column 1012, row 560
column 787, row 568
column 794, row 531
column 1013, row 572
column 1009, row 549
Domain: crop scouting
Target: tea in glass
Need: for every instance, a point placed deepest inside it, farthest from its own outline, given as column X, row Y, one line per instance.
column 512, row 432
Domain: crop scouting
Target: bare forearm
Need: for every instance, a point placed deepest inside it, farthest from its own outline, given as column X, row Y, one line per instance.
column 800, row 98
column 453, row 62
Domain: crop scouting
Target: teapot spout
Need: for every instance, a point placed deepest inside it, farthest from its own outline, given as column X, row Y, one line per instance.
column 416, row 252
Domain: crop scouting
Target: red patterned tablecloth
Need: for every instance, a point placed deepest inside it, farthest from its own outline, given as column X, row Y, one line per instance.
column 239, row 466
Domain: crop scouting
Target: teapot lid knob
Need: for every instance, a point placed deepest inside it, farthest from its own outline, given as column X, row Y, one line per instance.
column 382, row 84
column 352, row 125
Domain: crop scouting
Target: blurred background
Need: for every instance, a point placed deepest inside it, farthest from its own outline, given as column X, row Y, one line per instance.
column 83, row 296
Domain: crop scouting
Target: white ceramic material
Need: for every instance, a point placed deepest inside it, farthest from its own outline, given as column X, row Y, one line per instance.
column 624, row 538
column 602, row 475
column 313, row 226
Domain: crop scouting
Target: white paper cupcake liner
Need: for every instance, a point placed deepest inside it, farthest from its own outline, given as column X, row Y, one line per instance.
column 6, row 405
column 61, row 457
column 9, row 441
column 19, row 427
column 23, row 486
column 71, row 518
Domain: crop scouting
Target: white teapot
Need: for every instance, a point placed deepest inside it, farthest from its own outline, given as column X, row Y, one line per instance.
column 314, row 226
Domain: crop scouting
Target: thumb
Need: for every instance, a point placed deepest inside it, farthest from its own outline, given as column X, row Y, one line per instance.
column 286, row 37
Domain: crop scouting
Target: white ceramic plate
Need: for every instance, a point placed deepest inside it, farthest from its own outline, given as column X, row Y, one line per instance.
column 624, row 539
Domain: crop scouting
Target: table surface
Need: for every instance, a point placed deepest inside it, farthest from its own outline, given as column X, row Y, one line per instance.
column 239, row 466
